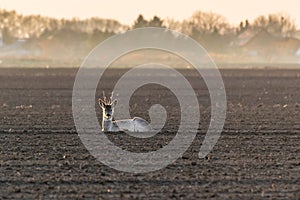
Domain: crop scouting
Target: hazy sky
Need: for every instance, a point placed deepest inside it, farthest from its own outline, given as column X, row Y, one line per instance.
column 126, row 11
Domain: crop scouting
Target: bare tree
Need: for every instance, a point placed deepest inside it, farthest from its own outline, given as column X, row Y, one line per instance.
column 173, row 24
column 277, row 24
column 208, row 23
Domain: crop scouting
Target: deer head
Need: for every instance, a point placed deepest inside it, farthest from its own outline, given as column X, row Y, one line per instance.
column 107, row 106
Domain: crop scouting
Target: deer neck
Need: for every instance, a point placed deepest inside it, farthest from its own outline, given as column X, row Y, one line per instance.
column 107, row 124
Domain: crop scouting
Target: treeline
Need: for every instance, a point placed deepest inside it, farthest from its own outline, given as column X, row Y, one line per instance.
column 15, row 25
column 77, row 37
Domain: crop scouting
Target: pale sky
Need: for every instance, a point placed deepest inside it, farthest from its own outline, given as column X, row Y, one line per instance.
column 126, row 11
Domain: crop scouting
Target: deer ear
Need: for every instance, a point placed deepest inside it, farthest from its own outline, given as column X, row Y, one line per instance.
column 114, row 103
column 101, row 103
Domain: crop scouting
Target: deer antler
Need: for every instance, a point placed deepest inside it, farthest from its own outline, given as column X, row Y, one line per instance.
column 105, row 100
column 104, row 97
column 100, row 102
column 111, row 97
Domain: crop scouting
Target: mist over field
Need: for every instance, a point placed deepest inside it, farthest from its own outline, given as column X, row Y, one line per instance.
column 39, row 41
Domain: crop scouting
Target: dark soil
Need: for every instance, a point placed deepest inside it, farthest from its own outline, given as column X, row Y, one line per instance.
column 257, row 155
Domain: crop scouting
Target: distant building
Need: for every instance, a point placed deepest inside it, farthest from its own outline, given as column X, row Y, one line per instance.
column 298, row 52
column 243, row 38
column 266, row 46
column 296, row 35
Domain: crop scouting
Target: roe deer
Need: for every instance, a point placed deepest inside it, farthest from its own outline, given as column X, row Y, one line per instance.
column 135, row 124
